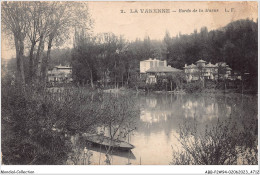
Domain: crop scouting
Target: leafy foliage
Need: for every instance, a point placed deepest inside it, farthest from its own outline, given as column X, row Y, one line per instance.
column 27, row 124
column 192, row 87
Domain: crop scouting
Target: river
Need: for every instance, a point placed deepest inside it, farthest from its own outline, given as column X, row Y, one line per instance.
column 161, row 115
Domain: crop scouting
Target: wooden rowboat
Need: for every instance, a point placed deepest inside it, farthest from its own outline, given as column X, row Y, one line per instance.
column 106, row 141
column 128, row 154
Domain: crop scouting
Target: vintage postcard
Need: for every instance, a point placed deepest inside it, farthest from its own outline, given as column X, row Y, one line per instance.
column 129, row 83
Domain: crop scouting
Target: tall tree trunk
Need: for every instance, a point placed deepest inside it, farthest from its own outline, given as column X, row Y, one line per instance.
column 91, row 74
column 106, row 78
column 19, row 45
column 225, row 84
column 39, row 58
column 91, row 79
column 21, row 60
column 128, row 75
column 46, row 60
column 18, row 62
column 115, row 75
column 122, row 79
column 115, row 80
column 31, row 63
column 103, row 81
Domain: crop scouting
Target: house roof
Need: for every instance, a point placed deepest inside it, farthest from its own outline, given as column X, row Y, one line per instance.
column 201, row 61
column 163, row 69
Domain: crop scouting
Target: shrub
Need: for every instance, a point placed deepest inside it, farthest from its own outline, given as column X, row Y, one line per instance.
column 193, row 87
column 209, row 84
column 34, row 124
column 220, row 144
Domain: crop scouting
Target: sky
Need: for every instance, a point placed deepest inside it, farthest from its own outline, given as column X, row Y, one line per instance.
column 107, row 17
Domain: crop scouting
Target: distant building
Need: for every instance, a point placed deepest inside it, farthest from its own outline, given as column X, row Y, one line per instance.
column 152, row 68
column 207, row 71
column 147, row 64
column 60, row 74
column 154, row 72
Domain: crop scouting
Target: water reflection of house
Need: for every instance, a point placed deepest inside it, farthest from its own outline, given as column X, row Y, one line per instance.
column 153, row 116
column 60, row 74
column 202, row 109
column 150, row 113
column 152, row 102
column 152, row 68
column 207, row 71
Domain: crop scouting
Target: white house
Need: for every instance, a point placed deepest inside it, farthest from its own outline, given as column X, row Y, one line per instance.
column 60, row 74
column 152, row 68
column 147, row 64
column 207, row 71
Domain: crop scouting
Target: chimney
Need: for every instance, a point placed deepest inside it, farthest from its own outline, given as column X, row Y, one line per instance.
column 185, row 65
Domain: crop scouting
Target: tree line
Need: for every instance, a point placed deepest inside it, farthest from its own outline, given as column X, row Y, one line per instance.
column 236, row 44
column 108, row 58
column 107, row 55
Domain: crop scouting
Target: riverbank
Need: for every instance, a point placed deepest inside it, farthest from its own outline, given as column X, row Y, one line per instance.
column 126, row 90
column 228, row 92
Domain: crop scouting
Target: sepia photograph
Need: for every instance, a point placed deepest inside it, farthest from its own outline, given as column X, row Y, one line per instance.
column 129, row 83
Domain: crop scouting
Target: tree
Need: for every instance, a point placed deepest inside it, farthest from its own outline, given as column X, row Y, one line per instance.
column 113, row 50
column 15, row 25
column 84, row 58
column 120, row 117
column 36, row 23
column 67, row 16
column 177, row 80
column 46, row 12
column 32, row 33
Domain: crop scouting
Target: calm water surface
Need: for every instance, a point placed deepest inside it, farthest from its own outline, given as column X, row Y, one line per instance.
column 160, row 118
